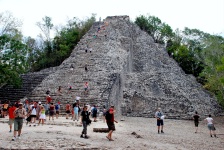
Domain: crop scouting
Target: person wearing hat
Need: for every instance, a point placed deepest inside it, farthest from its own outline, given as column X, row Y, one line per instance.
column 19, row 114
column 158, row 116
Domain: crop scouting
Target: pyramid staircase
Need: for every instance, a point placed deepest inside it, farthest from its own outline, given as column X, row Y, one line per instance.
column 97, row 75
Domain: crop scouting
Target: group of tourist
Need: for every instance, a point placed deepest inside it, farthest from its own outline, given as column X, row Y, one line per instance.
column 36, row 111
column 210, row 123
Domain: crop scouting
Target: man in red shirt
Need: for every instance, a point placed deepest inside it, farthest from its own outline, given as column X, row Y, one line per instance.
column 68, row 110
column 49, row 99
column 11, row 110
column 110, row 123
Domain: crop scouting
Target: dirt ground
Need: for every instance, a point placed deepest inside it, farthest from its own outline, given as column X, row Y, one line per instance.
column 131, row 134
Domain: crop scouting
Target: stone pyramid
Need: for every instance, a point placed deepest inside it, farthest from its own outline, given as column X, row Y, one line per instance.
column 126, row 69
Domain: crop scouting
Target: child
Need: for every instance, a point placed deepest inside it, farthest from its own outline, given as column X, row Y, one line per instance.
column 42, row 115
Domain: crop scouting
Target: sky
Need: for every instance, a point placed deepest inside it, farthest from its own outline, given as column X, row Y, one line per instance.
column 205, row 15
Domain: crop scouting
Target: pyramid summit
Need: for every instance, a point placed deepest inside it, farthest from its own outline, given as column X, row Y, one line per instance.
column 128, row 70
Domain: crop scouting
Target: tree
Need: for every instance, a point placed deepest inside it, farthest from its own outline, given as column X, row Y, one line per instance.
column 13, row 60
column 213, row 58
column 45, row 26
column 61, row 46
column 8, row 23
column 160, row 32
column 12, row 50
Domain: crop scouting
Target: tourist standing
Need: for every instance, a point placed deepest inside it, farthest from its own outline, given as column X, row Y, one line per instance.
column 19, row 113
column 104, row 113
column 94, row 113
column 51, row 109
column 196, row 121
column 42, row 115
column 210, row 125
column 76, row 112
column 67, row 110
column 46, row 107
column 38, row 110
column 11, row 110
column 158, row 116
column 57, row 108
column 48, row 99
column 33, row 113
column 26, row 106
column 84, row 121
column 110, row 122
column 5, row 109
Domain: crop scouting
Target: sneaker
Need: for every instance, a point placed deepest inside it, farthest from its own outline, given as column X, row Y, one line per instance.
column 211, row 135
column 10, row 130
column 158, row 131
column 18, row 137
column 81, row 136
column 162, row 131
column 14, row 138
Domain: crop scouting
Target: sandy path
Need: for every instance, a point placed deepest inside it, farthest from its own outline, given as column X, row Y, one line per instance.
column 179, row 134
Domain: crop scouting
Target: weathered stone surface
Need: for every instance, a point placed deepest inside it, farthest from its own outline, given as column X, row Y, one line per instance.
column 127, row 69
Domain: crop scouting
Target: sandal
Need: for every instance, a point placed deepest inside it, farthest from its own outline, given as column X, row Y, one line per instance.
column 108, row 138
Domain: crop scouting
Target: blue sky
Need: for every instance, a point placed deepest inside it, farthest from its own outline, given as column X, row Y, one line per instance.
column 205, row 15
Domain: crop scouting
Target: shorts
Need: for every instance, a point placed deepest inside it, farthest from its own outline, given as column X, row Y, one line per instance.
column 94, row 115
column 33, row 116
column 51, row 112
column 85, row 89
column 28, row 119
column 57, row 112
column 68, row 112
column 196, row 123
column 11, row 121
column 46, row 112
column 111, row 126
column 18, row 124
column 211, row 127
column 160, row 122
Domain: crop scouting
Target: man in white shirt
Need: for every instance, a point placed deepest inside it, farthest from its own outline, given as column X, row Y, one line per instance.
column 158, row 116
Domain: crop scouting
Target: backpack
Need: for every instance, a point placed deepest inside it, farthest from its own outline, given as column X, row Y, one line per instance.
column 57, row 107
column 94, row 110
column 108, row 116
